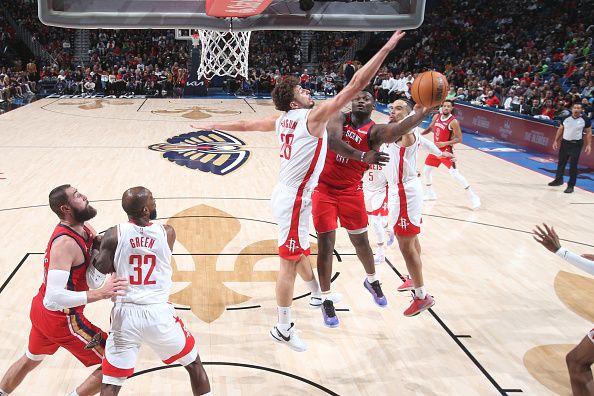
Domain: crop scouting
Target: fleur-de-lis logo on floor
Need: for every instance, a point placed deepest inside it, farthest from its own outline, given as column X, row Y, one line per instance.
column 208, row 151
column 196, row 112
column 546, row 363
column 95, row 103
column 205, row 231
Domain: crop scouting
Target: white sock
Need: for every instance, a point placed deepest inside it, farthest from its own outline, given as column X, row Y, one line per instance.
column 427, row 171
column 207, row 394
column 284, row 318
column 70, row 394
column 3, row 392
column 377, row 226
column 325, row 295
column 470, row 191
column 420, row 292
column 459, row 178
column 371, row 278
column 314, row 287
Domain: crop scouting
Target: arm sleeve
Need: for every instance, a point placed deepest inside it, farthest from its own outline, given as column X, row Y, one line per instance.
column 56, row 296
column 578, row 261
column 430, row 146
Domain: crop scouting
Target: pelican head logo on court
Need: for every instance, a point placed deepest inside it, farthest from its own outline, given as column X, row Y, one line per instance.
column 208, row 151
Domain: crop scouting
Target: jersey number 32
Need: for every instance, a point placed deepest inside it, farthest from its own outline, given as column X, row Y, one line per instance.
column 140, row 264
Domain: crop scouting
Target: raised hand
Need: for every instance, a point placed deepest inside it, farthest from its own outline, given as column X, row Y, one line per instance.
column 396, row 37
column 547, row 238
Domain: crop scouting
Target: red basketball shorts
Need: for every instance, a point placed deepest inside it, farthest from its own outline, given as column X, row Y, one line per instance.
column 53, row 329
column 433, row 160
column 331, row 205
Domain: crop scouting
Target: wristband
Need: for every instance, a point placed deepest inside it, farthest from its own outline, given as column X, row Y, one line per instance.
column 362, row 155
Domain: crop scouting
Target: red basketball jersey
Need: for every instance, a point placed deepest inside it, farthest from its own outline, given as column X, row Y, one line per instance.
column 442, row 131
column 343, row 173
column 78, row 274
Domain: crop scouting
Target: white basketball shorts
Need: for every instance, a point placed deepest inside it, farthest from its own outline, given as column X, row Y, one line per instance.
column 154, row 324
column 292, row 209
column 406, row 203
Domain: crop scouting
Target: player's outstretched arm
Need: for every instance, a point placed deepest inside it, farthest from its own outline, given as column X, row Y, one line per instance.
column 65, row 253
column 340, row 147
column 550, row 240
column 432, row 148
column 264, row 124
column 320, row 115
column 389, row 133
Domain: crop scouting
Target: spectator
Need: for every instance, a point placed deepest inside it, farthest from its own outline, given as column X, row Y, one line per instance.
column 492, row 100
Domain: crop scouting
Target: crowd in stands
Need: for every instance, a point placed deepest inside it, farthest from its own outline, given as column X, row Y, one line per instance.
column 531, row 58
column 15, row 83
column 492, row 55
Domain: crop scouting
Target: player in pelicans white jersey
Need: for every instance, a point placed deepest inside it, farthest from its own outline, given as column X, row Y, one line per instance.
column 140, row 251
column 301, row 131
column 406, row 203
column 375, row 189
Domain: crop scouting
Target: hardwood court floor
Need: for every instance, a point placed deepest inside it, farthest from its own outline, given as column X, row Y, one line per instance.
column 507, row 310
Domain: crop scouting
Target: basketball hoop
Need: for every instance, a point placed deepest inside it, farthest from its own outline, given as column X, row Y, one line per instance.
column 223, row 53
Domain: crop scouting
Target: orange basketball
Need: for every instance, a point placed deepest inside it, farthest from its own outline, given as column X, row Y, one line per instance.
column 429, row 89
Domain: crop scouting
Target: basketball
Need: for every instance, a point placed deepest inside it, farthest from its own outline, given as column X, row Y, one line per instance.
column 429, row 89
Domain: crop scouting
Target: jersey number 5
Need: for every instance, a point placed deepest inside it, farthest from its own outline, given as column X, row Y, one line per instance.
column 287, row 141
column 138, row 261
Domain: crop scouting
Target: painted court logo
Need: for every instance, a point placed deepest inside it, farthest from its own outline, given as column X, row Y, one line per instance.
column 209, row 151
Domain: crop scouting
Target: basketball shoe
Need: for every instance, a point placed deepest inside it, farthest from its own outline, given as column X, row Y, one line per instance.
column 417, row 306
column 316, row 301
column 329, row 314
column 376, row 291
column 407, row 285
column 291, row 340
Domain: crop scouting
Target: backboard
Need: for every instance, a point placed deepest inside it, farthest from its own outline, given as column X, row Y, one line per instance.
column 344, row 15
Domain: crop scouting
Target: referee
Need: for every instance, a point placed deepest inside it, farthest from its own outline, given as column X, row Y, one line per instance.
column 572, row 129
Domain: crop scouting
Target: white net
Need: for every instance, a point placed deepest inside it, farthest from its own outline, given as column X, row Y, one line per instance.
column 223, row 53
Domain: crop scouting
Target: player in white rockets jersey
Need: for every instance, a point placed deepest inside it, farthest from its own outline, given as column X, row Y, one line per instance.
column 580, row 359
column 301, row 133
column 375, row 189
column 406, row 202
column 140, row 251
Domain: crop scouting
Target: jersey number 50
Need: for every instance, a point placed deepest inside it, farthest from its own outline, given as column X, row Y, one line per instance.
column 138, row 261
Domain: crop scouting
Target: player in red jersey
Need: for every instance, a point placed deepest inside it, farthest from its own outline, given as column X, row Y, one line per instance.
column 446, row 133
column 57, row 316
column 339, row 194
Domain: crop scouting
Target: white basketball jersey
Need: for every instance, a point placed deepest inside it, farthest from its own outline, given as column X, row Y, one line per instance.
column 302, row 155
column 143, row 257
column 402, row 166
column 374, row 179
